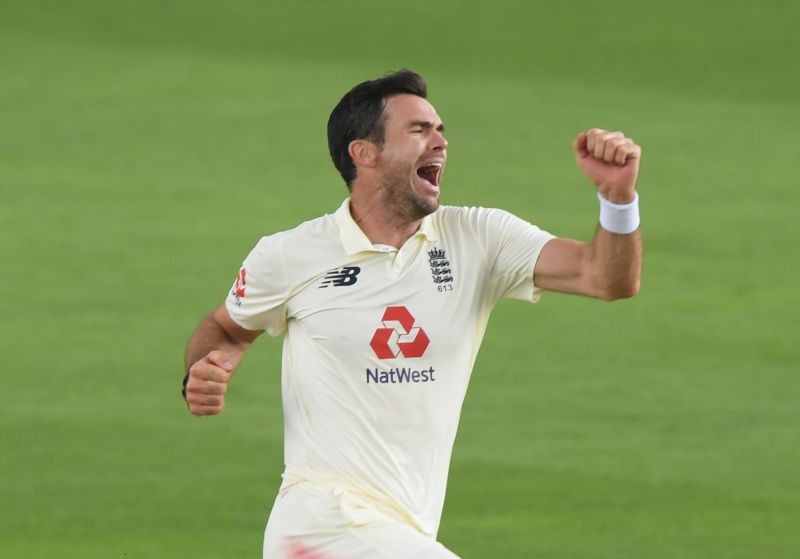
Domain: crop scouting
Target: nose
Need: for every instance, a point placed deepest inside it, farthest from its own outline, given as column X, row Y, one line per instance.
column 439, row 142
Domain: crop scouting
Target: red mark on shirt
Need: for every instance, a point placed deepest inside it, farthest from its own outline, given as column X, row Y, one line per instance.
column 297, row 550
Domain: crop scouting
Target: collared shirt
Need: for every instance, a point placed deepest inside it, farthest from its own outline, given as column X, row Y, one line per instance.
column 380, row 344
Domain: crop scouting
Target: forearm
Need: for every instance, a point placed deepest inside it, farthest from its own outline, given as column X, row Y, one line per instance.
column 209, row 336
column 615, row 264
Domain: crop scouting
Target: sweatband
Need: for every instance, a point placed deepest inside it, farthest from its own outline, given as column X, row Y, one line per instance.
column 619, row 218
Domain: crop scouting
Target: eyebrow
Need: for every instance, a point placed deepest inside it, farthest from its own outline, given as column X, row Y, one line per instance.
column 426, row 124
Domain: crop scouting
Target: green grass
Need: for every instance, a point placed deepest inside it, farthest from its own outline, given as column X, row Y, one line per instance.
column 145, row 146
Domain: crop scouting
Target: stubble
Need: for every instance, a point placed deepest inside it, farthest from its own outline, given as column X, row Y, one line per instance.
column 401, row 199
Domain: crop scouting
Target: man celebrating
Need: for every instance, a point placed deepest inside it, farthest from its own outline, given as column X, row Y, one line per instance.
column 384, row 304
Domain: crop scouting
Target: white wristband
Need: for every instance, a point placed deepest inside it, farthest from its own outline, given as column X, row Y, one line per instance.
column 619, row 218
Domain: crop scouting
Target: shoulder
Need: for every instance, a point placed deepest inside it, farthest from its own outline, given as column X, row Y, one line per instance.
column 473, row 217
column 296, row 241
column 308, row 231
column 491, row 228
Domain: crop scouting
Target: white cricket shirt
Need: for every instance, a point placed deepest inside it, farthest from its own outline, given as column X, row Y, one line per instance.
column 380, row 344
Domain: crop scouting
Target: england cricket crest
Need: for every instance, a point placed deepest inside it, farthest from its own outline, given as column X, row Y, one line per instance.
column 440, row 267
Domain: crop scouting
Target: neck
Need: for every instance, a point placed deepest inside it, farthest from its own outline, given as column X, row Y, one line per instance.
column 380, row 220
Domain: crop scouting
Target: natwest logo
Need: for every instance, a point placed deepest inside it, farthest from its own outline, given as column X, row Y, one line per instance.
column 399, row 336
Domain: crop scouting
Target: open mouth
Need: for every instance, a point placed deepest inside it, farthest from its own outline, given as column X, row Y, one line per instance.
column 430, row 173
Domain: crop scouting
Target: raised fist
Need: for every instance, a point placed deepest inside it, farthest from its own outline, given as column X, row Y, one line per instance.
column 610, row 161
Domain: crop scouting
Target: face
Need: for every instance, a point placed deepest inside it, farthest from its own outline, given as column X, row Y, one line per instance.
column 413, row 155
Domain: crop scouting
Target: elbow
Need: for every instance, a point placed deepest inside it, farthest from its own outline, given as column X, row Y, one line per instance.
column 624, row 290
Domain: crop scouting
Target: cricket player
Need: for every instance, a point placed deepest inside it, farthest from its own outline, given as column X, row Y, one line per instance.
column 382, row 305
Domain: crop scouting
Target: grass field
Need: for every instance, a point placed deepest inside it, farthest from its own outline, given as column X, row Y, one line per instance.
column 145, row 146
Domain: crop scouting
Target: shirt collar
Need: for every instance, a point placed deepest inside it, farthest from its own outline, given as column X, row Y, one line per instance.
column 353, row 238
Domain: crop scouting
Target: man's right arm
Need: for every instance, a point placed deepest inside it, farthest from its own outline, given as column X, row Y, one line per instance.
column 212, row 355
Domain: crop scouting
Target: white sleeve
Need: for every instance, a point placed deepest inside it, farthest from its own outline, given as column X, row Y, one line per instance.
column 257, row 300
column 512, row 246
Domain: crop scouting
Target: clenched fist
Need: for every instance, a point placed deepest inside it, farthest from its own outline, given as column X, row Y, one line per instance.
column 208, row 382
column 610, row 161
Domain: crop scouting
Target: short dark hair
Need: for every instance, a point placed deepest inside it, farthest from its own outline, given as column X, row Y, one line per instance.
column 360, row 115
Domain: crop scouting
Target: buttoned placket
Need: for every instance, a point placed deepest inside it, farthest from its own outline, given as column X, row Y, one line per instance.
column 401, row 258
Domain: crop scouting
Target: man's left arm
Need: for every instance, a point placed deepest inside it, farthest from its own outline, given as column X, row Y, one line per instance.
column 610, row 266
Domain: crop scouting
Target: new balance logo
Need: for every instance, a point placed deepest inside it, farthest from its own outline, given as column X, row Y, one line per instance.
column 341, row 277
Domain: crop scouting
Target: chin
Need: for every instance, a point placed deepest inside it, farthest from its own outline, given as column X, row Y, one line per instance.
column 425, row 207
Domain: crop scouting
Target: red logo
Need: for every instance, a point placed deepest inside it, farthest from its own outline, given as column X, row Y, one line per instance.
column 399, row 336
column 240, row 284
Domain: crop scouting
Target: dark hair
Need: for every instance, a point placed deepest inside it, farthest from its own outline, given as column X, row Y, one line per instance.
column 359, row 115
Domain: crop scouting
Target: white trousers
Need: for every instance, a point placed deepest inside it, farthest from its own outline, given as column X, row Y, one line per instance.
column 315, row 521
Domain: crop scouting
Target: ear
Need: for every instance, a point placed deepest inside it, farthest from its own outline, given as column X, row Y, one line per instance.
column 364, row 153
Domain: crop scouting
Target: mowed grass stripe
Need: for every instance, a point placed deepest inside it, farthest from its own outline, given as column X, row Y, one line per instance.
column 142, row 156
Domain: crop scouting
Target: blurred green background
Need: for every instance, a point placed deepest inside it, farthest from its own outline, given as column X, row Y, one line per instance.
column 146, row 146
